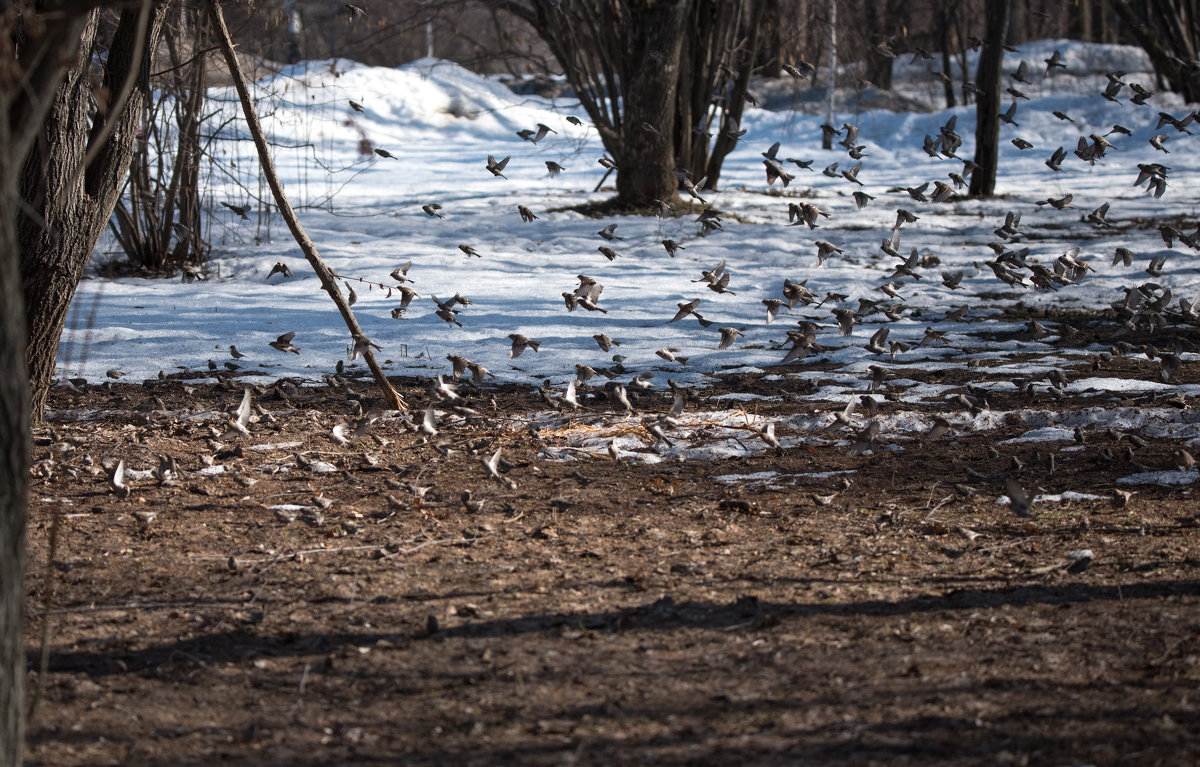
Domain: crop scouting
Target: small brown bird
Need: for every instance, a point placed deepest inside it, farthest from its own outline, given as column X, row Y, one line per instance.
column 241, row 210
column 385, row 153
column 609, row 233
column 1183, row 460
column 526, row 214
column 605, row 343
column 470, row 251
column 497, row 168
column 1019, row 501
column 672, row 247
column 116, row 480
column 519, row 342
column 1057, row 204
column 357, row 107
column 728, row 336
column 280, row 268
column 431, row 209
column 353, row 11
column 284, row 343
column 670, row 356
column 554, row 168
column 400, row 273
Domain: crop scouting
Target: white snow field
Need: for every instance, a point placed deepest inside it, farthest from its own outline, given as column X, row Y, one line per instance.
column 441, row 122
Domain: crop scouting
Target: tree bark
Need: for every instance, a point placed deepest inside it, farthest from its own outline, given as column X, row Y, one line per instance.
column 14, row 462
column 646, row 155
column 35, row 47
column 66, row 210
column 645, row 72
column 987, row 107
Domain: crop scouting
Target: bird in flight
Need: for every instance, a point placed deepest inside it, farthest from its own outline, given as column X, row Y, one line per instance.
column 497, row 168
column 284, row 343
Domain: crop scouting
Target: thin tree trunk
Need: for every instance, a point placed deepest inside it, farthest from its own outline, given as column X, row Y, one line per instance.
column 736, row 95
column 831, row 86
column 987, row 107
column 328, row 280
column 66, row 210
column 944, row 20
column 14, row 463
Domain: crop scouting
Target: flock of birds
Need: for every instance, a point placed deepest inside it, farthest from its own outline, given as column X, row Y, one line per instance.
column 1148, row 310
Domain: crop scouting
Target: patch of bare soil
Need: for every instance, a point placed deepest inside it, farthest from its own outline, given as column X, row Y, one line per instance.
column 353, row 604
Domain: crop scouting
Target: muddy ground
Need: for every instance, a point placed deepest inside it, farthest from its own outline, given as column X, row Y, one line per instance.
column 598, row 612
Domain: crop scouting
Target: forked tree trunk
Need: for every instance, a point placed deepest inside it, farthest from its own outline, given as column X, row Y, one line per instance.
column 987, row 108
column 66, row 211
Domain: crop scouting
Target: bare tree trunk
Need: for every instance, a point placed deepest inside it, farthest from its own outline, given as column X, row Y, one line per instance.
column 14, row 463
column 65, row 210
column 37, row 48
column 647, row 155
column 831, row 86
column 747, row 48
column 945, row 16
column 987, row 107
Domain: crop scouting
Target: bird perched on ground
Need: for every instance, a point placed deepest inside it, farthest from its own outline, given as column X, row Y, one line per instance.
column 116, row 480
column 284, row 343
column 497, row 168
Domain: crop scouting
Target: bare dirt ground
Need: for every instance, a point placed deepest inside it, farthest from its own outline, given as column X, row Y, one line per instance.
column 598, row 612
